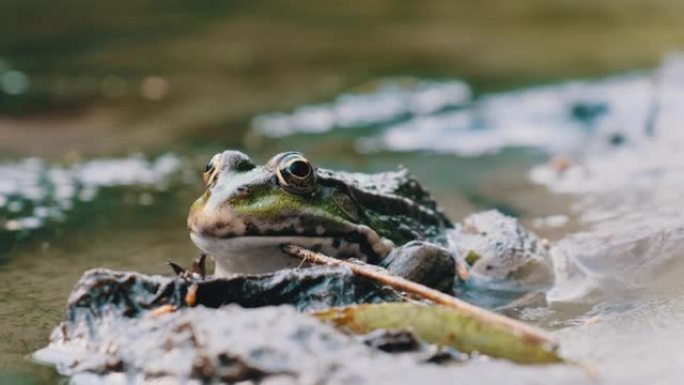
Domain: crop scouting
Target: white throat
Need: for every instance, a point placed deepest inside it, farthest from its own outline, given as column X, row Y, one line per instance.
column 263, row 254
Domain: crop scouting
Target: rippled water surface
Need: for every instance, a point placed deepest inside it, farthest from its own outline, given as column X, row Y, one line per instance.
column 103, row 136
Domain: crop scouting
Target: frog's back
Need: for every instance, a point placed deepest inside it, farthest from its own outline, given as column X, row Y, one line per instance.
column 393, row 200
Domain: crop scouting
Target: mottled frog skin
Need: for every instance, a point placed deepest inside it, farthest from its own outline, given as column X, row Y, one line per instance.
column 249, row 211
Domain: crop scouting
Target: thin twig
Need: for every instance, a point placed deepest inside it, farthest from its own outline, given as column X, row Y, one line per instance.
column 522, row 330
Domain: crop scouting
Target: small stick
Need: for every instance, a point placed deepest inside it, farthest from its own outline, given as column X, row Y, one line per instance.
column 522, row 330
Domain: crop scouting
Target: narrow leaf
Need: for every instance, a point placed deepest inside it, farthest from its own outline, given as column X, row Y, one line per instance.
column 445, row 326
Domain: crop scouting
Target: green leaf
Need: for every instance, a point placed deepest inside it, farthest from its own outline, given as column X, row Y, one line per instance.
column 445, row 326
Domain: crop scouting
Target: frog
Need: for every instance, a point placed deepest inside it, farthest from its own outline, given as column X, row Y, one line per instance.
column 248, row 212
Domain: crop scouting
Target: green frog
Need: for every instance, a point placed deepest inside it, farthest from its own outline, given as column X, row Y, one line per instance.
column 249, row 211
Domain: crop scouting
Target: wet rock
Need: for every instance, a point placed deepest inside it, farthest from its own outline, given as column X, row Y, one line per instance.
column 225, row 345
column 499, row 254
column 113, row 326
column 422, row 262
column 101, row 292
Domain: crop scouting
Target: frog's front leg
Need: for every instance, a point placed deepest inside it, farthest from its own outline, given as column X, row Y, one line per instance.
column 422, row 262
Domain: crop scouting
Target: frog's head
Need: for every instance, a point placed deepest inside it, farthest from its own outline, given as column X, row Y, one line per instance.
column 248, row 211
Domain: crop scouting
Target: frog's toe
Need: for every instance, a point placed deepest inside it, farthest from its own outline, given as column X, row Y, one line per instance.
column 177, row 269
column 196, row 272
column 421, row 262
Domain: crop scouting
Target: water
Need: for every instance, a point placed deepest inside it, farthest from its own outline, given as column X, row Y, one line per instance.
column 612, row 209
column 618, row 259
column 103, row 134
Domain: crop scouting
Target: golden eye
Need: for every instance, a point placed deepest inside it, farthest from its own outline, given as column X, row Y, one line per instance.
column 296, row 174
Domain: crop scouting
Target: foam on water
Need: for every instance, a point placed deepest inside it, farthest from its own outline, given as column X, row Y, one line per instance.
column 623, row 134
column 616, row 303
column 629, row 198
column 627, row 262
column 552, row 118
column 389, row 100
column 413, row 114
column 34, row 192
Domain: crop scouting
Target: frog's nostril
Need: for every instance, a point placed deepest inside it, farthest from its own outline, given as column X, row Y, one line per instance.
column 237, row 161
column 244, row 165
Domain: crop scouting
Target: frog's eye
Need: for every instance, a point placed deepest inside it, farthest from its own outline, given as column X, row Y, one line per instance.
column 296, row 174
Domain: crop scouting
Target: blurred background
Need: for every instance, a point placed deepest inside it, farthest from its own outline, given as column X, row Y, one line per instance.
column 109, row 110
column 110, row 77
